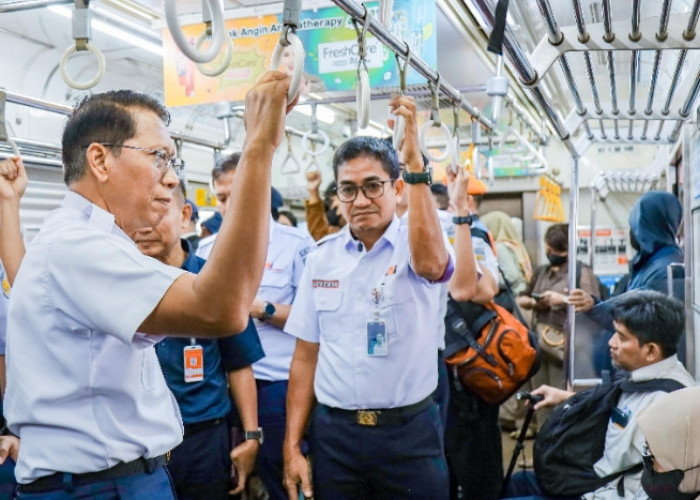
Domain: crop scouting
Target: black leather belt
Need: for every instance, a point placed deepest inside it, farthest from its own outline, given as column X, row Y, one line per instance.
column 191, row 429
column 389, row 416
column 65, row 480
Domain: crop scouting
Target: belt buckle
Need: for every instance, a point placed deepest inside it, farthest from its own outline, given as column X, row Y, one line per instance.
column 368, row 418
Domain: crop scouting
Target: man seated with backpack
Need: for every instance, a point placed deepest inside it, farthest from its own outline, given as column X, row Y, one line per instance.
column 591, row 447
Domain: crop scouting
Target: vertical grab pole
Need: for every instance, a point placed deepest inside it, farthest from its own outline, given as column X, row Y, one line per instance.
column 573, row 223
column 594, row 206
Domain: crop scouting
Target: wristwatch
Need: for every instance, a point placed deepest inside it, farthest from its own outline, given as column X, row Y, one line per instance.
column 463, row 219
column 424, row 177
column 254, row 435
column 268, row 311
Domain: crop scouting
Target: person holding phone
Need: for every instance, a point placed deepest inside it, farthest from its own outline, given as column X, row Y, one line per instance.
column 546, row 295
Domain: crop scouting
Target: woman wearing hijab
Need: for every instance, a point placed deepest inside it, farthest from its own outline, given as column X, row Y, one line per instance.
column 512, row 256
column 672, row 461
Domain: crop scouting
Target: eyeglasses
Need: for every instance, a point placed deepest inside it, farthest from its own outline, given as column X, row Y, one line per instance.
column 163, row 160
column 371, row 190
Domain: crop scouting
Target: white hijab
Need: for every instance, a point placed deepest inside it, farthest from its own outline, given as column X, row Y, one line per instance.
column 671, row 426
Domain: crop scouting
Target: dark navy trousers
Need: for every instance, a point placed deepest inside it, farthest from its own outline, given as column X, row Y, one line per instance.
column 404, row 460
column 134, row 487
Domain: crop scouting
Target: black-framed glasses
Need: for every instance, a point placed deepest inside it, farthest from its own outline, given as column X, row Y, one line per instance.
column 371, row 190
column 162, row 159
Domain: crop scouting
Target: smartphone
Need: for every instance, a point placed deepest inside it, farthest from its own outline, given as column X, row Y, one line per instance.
column 536, row 296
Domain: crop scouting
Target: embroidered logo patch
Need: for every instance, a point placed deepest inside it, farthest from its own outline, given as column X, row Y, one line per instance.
column 325, row 283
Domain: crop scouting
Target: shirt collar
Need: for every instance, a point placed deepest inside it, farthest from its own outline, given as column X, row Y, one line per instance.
column 652, row 371
column 191, row 259
column 390, row 236
column 97, row 216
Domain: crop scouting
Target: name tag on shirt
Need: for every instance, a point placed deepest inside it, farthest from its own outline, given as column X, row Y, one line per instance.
column 377, row 341
column 194, row 363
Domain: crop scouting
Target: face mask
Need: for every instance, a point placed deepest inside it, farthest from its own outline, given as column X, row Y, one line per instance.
column 557, row 260
column 664, row 485
column 633, row 241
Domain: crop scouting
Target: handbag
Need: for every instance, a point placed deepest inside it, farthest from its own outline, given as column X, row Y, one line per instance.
column 551, row 341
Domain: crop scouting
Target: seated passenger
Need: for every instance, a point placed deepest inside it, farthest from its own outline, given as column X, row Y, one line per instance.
column 648, row 326
column 672, row 455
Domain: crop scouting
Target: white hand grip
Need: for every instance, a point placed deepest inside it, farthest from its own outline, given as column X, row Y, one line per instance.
column 455, row 153
column 386, row 11
column 306, row 142
column 363, row 98
column 217, row 26
column 90, row 83
column 399, row 129
column 448, row 143
column 298, row 51
column 216, row 70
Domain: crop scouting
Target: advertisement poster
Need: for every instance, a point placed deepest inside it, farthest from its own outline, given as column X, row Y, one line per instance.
column 330, row 42
column 610, row 249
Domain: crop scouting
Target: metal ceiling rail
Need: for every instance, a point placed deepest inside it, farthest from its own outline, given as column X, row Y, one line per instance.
column 557, row 40
column 545, row 54
column 528, row 76
column 357, row 12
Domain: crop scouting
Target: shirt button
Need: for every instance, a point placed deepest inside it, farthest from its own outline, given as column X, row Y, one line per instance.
column 358, row 370
column 358, row 332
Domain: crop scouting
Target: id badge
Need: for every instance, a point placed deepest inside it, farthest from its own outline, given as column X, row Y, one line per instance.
column 621, row 417
column 194, row 363
column 377, row 341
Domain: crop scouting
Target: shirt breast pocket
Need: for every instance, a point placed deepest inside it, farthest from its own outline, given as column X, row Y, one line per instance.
column 275, row 282
column 327, row 303
column 398, row 313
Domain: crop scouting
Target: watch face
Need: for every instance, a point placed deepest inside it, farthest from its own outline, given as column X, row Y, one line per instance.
column 269, row 309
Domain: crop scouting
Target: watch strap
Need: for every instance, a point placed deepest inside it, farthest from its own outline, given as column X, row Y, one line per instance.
column 418, row 177
column 257, row 435
column 463, row 219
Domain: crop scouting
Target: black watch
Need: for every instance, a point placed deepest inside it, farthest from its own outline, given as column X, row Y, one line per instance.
column 254, row 435
column 463, row 219
column 268, row 311
column 418, row 178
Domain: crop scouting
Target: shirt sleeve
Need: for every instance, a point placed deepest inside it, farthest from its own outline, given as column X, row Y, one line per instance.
column 306, row 246
column 316, row 221
column 303, row 318
column 485, row 257
column 103, row 283
column 241, row 350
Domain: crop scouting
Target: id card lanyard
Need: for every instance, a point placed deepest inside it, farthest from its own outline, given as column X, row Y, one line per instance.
column 377, row 340
column 194, row 362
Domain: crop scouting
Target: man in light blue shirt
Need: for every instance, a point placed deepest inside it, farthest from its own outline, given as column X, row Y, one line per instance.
column 85, row 393
column 365, row 319
column 286, row 255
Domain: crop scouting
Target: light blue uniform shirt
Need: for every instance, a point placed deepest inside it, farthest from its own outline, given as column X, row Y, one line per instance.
column 335, row 300
column 286, row 254
column 85, row 390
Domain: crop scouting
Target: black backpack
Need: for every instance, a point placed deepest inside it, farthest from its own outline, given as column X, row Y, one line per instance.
column 572, row 439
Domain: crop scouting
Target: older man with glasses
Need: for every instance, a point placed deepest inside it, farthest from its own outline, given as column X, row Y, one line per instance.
column 85, row 393
column 364, row 318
